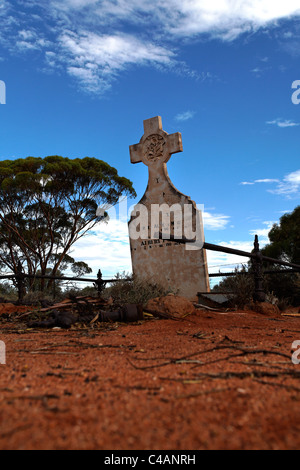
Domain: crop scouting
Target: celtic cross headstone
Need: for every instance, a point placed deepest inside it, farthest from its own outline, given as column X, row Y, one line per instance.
column 163, row 218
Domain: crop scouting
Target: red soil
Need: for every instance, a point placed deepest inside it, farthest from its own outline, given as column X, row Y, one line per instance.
column 118, row 387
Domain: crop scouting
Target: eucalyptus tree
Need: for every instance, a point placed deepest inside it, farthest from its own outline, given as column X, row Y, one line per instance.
column 48, row 204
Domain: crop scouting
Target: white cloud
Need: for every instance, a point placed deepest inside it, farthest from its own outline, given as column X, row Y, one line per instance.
column 97, row 40
column 264, row 180
column 259, row 71
column 30, row 39
column 185, row 116
column 96, row 59
column 73, row 4
column 223, row 18
column 263, row 232
column 106, row 248
column 289, row 186
column 267, row 180
column 283, row 123
column 4, row 8
column 226, row 262
column 214, row 221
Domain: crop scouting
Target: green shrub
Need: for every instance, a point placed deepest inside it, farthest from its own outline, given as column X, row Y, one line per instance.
column 8, row 292
column 286, row 287
column 241, row 286
column 35, row 298
column 281, row 289
column 132, row 289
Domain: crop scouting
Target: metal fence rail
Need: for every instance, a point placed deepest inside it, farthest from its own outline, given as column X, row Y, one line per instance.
column 256, row 256
column 20, row 278
column 257, row 259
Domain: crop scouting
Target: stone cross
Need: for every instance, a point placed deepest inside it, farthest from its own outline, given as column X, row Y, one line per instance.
column 164, row 260
column 155, row 150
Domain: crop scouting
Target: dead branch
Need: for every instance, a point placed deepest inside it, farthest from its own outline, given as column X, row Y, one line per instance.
column 242, row 351
column 276, row 384
column 249, row 374
column 203, row 392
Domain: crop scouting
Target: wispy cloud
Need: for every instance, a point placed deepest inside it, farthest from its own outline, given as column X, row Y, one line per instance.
column 264, row 180
column 290, row 39
column 289, row 186
column 283, row 123
column 215, row 221
column 185, row 116
column 259, row 71
column 96, row 60
column 267, row 180
column 95, row 41
column 224, row 262
column 263, row 232
column 226, row 19
column 106, row 248
column 30, row 39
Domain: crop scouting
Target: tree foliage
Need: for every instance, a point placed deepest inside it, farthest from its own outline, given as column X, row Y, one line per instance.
column 241, row 286
column 47, row 204
column 285, row 245
column 285, row 238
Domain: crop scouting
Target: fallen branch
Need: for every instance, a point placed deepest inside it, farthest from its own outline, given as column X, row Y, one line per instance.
column 155, row 313
column 69, row 304
column 47, row 396
column 254, row 374
column 243, row 351
column 198, row 394
column 247, row 374
column 276, row 384
column 210, row 308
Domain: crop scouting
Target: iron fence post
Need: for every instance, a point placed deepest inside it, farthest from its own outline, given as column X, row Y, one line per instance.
column 259, row 294
column 100, row 284
column 20, row 282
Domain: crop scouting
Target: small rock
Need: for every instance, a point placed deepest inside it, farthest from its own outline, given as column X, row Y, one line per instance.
column 174, row 305
column 265, row 308
column 55, row 319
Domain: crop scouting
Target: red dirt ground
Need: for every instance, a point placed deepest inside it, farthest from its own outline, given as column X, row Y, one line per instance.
column 143, row 386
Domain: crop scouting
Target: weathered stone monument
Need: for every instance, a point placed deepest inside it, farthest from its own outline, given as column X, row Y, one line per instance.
column 163, row 218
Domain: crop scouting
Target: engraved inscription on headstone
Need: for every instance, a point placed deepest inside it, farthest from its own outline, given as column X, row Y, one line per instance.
column 163, row 216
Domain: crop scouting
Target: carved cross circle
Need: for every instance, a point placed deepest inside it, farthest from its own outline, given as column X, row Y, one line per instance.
column 153, row 148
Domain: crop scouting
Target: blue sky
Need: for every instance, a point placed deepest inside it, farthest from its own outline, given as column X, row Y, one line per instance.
column 82, row 75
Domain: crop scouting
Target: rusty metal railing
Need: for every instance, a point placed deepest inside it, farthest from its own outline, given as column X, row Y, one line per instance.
column 257, row 259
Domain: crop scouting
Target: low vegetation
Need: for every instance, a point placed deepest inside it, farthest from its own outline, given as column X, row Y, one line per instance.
column 125, row 289
column 129, row 289
column 280, row 289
